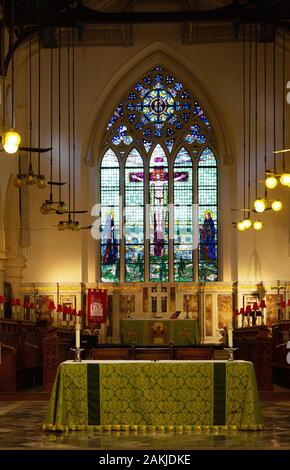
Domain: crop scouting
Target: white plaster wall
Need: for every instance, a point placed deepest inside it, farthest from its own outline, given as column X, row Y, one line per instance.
column 70, row 257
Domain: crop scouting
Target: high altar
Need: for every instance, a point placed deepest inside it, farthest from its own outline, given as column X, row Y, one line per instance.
column 209, row 305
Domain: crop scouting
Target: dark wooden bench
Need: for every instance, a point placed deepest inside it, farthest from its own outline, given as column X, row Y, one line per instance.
column 192, row 354
column 151, row 353
column 121, row 353
column 7, row 368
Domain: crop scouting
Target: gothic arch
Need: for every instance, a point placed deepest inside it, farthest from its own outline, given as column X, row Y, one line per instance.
column 167, row 57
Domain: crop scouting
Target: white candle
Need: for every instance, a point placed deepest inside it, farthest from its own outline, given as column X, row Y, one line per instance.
column 78, row 334
column 230, row 337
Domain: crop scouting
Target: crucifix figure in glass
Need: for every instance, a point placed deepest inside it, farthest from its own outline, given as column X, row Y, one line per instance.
column 159, row 216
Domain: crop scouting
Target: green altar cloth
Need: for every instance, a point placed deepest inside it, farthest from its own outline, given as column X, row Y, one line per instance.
column 154, row 396
column 156, row 331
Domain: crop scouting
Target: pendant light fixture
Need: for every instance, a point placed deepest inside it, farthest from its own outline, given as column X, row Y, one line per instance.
column 61, row 207
column 257, row 224
column 40, row 179
column 11, row 138
column 240, row 225
column 260, row 203
column 285, row 177
column 276, row 204
column 30, row 177
column 247, row 221
column 71, row 223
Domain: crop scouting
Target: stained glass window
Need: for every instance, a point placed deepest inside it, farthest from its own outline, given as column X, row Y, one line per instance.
column 134, row 217
column 207, row 216
column 158, row 190
column 110, row 218
column 159, row 134
column 183, row 217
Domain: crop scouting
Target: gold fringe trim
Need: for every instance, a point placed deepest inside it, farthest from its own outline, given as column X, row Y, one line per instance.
column 148, row 428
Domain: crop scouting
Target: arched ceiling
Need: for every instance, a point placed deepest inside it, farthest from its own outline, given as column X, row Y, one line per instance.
column 52, row 13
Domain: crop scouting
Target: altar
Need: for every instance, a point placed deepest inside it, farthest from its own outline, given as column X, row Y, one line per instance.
column 148, row 396
column 157, row 331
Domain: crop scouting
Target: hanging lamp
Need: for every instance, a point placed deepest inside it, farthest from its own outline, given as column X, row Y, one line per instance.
column 11, row 138
column 260, row 203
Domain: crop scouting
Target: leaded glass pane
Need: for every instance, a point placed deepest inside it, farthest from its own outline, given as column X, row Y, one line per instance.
column 207, row 217
column 159, row 217
column 183, row 217
column 110, row 218
column 134, row 218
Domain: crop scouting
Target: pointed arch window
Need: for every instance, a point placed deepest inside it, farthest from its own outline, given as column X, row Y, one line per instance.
column 159, row 181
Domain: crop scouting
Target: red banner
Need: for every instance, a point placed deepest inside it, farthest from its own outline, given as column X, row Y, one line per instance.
column 97, row 305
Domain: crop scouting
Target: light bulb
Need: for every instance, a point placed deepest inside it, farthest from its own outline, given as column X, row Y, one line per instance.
column 12, row 137
column 247, row 223
column 257, row 225
column 277, row 205
column 271, row 182
column 41, row 182
column 30, row 179
column 240, row 226
column 9, row 148
column 285, row 179
column 260, row 204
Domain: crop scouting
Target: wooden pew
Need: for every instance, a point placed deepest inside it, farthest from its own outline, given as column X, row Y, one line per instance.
column 151, row 353
column 192, row 354
column 7, row 368
column 56, row 344
column 102, row 353
column 24, row 338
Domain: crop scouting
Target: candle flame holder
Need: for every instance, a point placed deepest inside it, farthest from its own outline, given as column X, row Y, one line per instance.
column 77, row 352
column 230, row 352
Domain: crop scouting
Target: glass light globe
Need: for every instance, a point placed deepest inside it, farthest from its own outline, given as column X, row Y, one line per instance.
column 61, row 226
column 9, row 148
column 277, row 205
column 271, row 182
column 62, row 208
column 44, row 209
column 257, row 225
column 76, row 226
column 285, row 179
column 19, row 181
column 247, row 223
column 240, row 225
column 260, row 204
column 30, row 179
column 12, row 138
column 41, row 182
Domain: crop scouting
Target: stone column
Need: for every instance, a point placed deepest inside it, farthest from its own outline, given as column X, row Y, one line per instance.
column 2, row 270
column 14, row 267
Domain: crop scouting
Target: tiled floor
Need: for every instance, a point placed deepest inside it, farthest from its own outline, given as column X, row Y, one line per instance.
column 21, row 422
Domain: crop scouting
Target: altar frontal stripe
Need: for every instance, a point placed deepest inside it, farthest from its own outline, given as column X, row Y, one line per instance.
column 93, row 385
column 219, row 410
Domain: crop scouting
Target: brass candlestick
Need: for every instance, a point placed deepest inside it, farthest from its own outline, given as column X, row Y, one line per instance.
column 77, row 352
column 230, row 352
